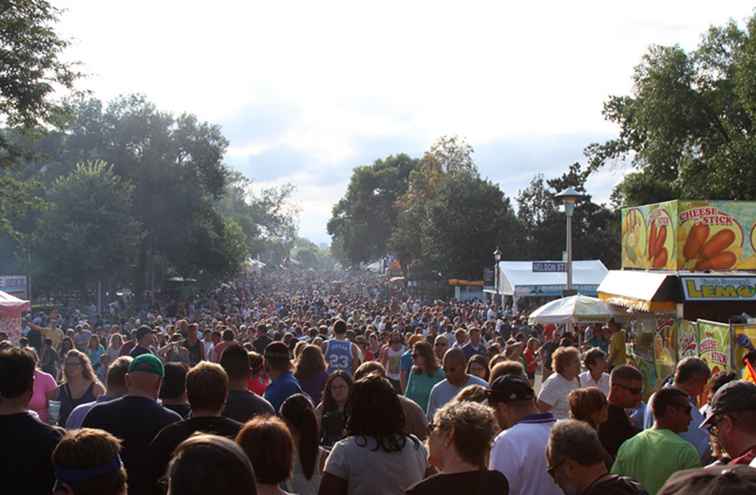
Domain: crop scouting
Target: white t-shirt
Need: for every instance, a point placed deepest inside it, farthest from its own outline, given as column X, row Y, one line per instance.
column 519, row 453
column 376, row 472
column 554, row 392
column 586, row 380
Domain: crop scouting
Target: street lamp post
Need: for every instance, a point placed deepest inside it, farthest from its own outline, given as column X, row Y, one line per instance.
column 497, row 257
column 568, row 198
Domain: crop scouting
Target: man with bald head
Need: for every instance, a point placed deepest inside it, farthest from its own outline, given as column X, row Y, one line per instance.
column 135, row 419
column 455, row 365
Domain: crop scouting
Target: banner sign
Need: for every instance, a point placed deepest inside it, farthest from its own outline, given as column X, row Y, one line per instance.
column 719, row 288
column 549, row 266
column 643, row 353
column 714, row 345
column 553, row 290
column 15, row 285
column 665, row 348
column 687, row 339
column 690, row 235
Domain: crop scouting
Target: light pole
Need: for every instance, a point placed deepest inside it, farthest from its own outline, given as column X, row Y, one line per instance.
column 497, row 257
column 568, row 198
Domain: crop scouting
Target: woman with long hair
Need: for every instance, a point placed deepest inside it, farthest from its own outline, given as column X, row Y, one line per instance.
column 94, row 351
column 478, row 365
column 331, row 410
column 80, row 384
column 299, row 415
column 311, row 372
column 376, row 457
column 424, row 374
column 114, row 346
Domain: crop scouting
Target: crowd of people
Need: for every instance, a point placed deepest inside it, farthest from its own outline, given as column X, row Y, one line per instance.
column 284, row 384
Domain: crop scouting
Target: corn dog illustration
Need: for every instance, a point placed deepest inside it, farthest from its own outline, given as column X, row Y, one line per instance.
column 652, row 240
column 695, row 241
column 721, row 261
column 661, row 258
column 718, row 243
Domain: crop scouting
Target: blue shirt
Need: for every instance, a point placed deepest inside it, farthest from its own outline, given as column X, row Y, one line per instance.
column 699, row 437
column 281, row 389
column 338, row 355
column 405, row 361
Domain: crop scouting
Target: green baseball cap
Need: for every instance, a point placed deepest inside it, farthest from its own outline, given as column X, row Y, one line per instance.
column 147, row 363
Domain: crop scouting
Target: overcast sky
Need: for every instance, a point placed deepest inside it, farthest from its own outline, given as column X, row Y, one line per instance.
column 305, row 91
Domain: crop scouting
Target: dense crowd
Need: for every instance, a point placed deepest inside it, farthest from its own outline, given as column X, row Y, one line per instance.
column 286, row 383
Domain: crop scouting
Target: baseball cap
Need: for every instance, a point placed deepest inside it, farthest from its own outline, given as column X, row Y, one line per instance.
column 731, row 397
column 716, row 480
column 147, row 363
column 510, row 388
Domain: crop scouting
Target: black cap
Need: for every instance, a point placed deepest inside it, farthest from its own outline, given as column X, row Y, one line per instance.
column 511, row 388
column 716, row 480
column 732, row 397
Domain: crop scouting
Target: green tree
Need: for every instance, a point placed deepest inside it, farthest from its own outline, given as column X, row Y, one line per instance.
column 688, row 126
column 87, row 232
column 363, row 220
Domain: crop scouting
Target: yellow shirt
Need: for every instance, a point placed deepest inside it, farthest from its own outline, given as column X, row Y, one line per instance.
column 617, row 351
column 55, row 335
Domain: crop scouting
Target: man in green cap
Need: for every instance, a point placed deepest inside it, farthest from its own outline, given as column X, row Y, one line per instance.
column 135, row 419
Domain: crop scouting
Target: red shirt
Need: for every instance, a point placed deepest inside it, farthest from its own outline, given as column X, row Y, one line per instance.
column 258, row 384
column 745, row 458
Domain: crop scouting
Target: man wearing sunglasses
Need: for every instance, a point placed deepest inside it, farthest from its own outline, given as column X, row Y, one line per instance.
column 732, row 420
column 625, row 388
column 653, row 455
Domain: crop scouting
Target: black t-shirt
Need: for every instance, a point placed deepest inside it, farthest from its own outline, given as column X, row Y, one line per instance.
column 163, row 445
column 483, row 482
column 261, row 343
column 26, row 447
column 614, row 485
column 182, row 410
column 616, row 429
column 139, row 350
column 243, row 405
column 195, row 352
column 136, row 421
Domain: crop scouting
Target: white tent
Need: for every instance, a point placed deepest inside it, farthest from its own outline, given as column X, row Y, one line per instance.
column 548, row 278
column 574, row 309
column 11, row 308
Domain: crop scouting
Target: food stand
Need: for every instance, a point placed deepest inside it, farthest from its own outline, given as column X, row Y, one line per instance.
column 11, row 309
column 688, row 274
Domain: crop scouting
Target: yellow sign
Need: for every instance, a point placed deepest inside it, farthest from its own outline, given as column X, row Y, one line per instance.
column 690, row 235
column 719, row 288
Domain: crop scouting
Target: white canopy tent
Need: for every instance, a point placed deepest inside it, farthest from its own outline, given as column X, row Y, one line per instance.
column 548, row 278
column 11, row 309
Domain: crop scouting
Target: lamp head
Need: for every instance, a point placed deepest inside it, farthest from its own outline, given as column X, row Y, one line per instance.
column 569, row 196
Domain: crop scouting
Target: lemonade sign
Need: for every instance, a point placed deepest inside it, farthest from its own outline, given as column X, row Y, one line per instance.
column 690, row 235
column 687, row 339
column 714, row 345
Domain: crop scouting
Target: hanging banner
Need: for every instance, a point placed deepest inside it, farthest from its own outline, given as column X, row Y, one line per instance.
column 665, row 348
column 687, row 339
column 714, row 345
column 642, row 356
column 745, row 342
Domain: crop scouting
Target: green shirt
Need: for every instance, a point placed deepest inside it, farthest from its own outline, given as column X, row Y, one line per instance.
column 653, row 455
column 419, row 386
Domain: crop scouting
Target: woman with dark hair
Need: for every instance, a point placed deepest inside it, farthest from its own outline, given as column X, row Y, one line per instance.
column 478, row 365
column 80, row 384
column 376, row 457
column 210, row 464
column 87, row 462
column 299, row 415
column 311, row 372
column 270, row 448
column 424, row 374
column 65, row 345
column 330, row 412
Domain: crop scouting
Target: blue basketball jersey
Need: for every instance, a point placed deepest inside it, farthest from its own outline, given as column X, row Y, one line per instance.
column 339, row 356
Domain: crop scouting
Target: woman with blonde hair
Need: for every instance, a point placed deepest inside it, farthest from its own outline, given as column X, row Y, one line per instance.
column 79, row 385
column 555, row 390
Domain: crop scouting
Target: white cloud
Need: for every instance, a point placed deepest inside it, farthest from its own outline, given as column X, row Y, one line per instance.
column 347, row 72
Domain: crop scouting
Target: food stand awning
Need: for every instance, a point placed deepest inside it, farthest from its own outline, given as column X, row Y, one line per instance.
column 640, row 290
column 548, row 278
column 12, row 306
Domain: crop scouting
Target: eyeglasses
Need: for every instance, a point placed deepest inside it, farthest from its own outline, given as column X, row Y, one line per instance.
column 632, row 390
